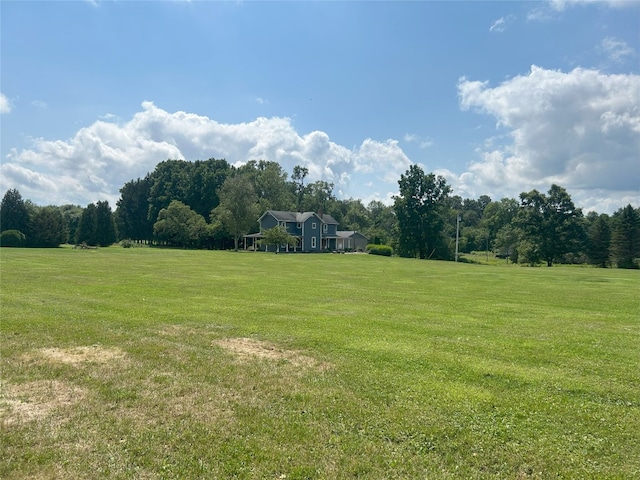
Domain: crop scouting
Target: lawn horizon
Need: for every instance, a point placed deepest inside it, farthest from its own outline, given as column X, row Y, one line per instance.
column 162, row 363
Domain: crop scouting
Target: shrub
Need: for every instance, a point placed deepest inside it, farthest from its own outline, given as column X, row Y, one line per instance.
column 12, row 238
column 385, row 250
column 126, row 243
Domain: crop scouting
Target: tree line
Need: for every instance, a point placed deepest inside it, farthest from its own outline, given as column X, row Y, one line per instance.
column 212, row 204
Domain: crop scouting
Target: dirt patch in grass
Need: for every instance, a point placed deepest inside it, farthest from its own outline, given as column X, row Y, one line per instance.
column 247, row 348
column 79, row 355
column 36, row 400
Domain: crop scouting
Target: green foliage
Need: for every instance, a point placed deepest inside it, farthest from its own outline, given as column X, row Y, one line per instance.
column 625, row 239
column 420, row 208
column 550, row 224
column 48, row 228
column 87, row 228
column 126, row 243
column 105, row 233
column 14, row 214
column 384, row 250
column 599, row 241
column 133, row 208
column 12, row 238
column 180, row 226
column 238, row 209
column 278, row 236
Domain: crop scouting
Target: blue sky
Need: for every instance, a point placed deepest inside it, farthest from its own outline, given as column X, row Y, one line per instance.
column 500, row 97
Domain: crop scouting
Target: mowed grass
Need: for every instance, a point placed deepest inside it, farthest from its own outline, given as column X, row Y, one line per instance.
column 150, row 363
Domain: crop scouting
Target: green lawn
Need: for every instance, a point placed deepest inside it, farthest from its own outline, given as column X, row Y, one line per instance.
column 150, row 363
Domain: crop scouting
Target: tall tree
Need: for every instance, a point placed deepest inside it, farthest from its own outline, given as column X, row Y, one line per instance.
column 179, row 225
column 86, row 232
column 599, row 241
column 298, row 176
column 420, row 208
column 383, row 224
column 204, row 180
column 270, row 183
column 48, row 228
column 551, row 225
column 169, row 181
column 238, row 209
column 132, row 210
column 14, row 214
column 625, row 241
column 105, row 225
column 72, row 215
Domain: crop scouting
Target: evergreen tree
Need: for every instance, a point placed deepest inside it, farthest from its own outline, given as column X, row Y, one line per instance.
column 625, row 241
column 599, row 241
column 14, row 214
column 105, row 233
column 48, row 228
column 132, row 210
column 86, row 232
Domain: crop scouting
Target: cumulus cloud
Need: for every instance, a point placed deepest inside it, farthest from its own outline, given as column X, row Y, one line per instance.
column 5, row 106
column 579, row 129
column 96, row 162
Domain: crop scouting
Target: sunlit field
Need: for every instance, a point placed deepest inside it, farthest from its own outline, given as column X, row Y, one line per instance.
column 152, row 363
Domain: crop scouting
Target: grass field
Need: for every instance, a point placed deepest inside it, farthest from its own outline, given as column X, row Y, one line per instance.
column 149, row 363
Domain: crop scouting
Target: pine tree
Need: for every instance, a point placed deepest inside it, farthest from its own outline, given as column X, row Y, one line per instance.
column 599, row 241
column 14, row 214
column 625, row 241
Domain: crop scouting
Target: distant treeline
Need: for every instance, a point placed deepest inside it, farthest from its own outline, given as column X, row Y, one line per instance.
column 212, row 204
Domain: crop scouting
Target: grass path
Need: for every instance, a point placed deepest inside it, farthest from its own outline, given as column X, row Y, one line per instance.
column 147, row 363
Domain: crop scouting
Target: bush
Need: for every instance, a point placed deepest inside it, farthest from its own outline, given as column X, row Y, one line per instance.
column 126, row 243
column 384, row 250
column 12, row 238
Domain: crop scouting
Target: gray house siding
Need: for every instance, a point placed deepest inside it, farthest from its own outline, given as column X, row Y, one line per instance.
column 316, row 233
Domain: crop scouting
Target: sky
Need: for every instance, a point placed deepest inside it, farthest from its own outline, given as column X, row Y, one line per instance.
column 498, row 97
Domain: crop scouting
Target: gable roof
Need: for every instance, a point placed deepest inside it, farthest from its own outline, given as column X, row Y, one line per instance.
column 349, row 233
column 297, row 217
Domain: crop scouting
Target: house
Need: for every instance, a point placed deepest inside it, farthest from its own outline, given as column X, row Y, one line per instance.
column 316, row 232
column 350, row 240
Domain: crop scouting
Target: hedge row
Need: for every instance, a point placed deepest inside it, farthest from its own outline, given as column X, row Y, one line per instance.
column 385, row 250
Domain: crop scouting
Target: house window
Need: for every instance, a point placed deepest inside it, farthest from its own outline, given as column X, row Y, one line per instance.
column 324, row 228
column 299, row 225
column 313, row 241
column 313, row 226
column 283, row 224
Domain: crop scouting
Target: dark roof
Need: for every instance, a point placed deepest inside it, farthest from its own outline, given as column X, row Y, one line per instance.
column 298, row 217
column 349, row 233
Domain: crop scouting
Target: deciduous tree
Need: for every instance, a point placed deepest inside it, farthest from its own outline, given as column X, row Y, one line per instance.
column 420, row 208
column 238, row 209
column 179, row 225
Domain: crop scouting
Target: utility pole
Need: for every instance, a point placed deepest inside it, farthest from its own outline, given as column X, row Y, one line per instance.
column 457, row 235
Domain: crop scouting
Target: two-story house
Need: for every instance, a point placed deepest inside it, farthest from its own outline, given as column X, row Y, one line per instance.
column 316, row 232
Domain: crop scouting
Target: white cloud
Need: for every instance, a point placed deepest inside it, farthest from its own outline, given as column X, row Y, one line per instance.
column 501, row 24
column 551, row 8
column 96, row 162
column 5, row 106
column 616, row 50
column 579, row 129
column 39, row 104
column 420, row 141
